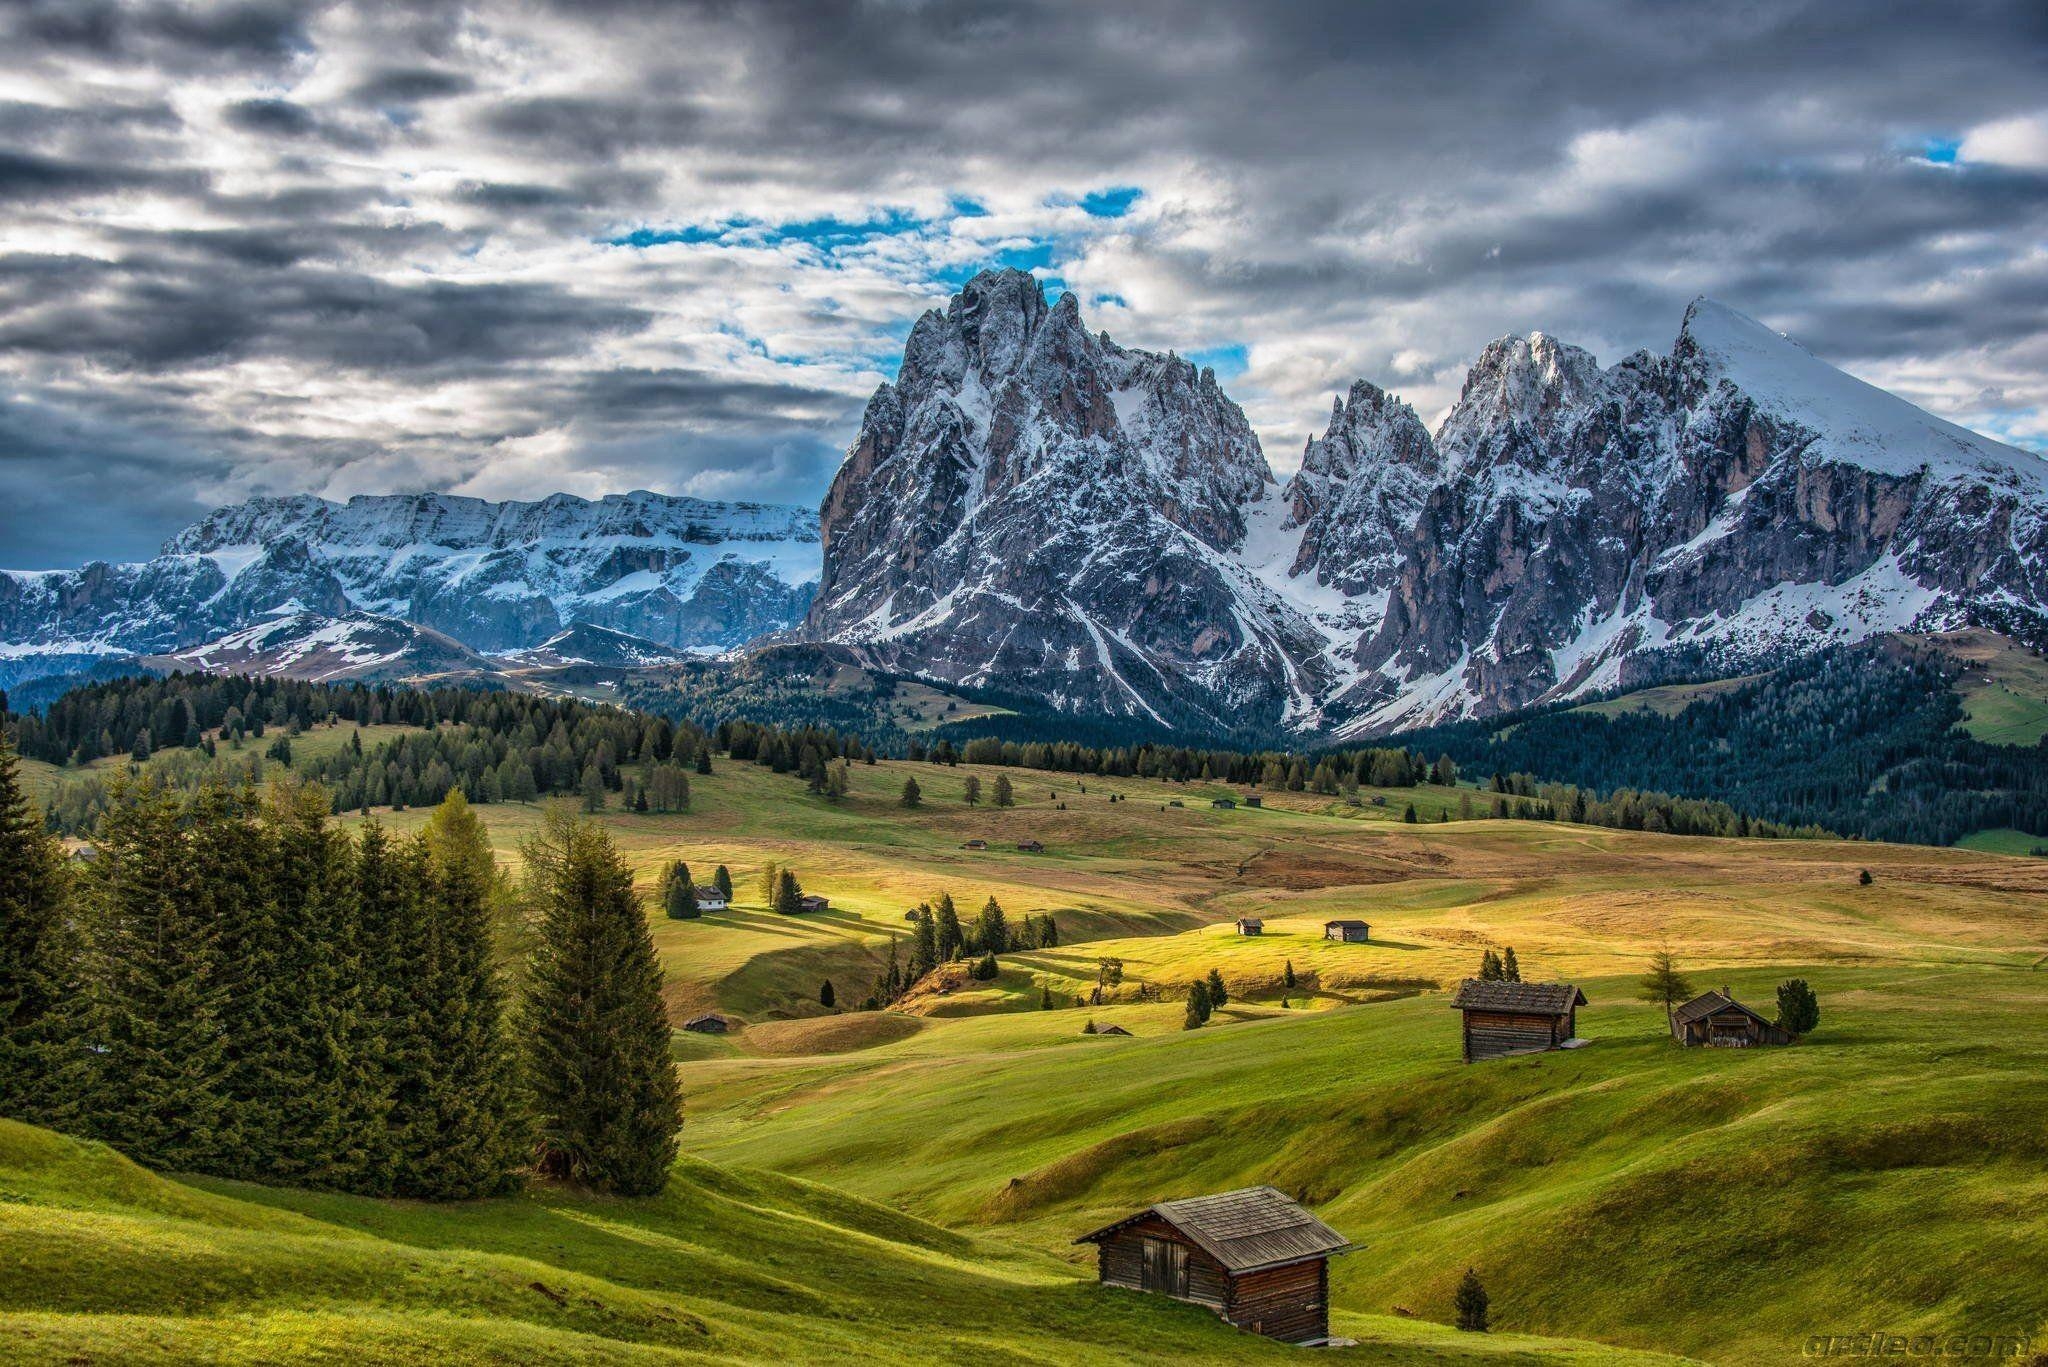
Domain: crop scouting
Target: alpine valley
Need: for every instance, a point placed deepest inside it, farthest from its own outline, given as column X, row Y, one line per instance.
column 1035, row 511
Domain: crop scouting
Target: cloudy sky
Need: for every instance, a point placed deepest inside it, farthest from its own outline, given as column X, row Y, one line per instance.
column 508, row 249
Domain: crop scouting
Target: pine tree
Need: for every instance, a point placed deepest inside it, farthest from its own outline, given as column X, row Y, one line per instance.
column 722, row 880
column 924, row 945
column 1218, row 994
column 992, row 931
column 826, row 996
column 677, row 892
column 1048, row 932
column 986, row 969
column 157, row 995
column 1471, row 1303
column 295, row 1028
column 912, row 794
column 41, row 988
column 946, row 921
column 789, row 894
column 1664, row 983
column 1287, row 974
column 1045, row 997
column 469, row 1132
column 1510, row 971
column 1490, row 969
column 1198, row 1005
column 1409, row 815
column 604, row 1089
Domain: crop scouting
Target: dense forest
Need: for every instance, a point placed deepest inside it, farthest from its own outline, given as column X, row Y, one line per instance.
column 232, row 984
column 1859, row 740
column 515, row 747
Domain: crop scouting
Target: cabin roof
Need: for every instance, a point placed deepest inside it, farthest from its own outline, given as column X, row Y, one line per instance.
column 709, row 893
column 1250, row 921
column 1711, row 1004
column 1328, row 924
column 1110, row 1030
column 1246, row 1231
column 708, row 1018
column 1543, row 999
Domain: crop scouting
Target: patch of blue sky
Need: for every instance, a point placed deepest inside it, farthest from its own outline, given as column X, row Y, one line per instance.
column 1941, row 151
column 1112, row 201
column 1228, row 361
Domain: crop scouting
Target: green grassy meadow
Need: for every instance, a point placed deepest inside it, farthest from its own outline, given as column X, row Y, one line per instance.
column 906, row 1184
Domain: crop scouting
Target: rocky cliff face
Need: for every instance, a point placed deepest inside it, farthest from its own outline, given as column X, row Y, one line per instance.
column 682, row 573
column 1034, row 508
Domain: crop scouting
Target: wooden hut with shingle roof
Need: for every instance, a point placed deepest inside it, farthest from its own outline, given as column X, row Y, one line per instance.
column 1253, row 1256
column 1715, row 1018
column 1503, row 1018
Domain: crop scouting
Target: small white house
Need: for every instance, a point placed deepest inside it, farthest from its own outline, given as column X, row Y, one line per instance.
column 710, row 899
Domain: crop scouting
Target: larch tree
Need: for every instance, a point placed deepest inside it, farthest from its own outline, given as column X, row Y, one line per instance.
column 1664, row 983
column 607, row 1106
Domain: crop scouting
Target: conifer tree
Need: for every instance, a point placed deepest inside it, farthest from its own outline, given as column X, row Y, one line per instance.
column 789, row 894
column 912, row 794
column 1287, row 974
column 1048, row 932
column 1798, row 1007
column 1489, row 967
column 826, row 996
column 1664, row 982
column 677, row 892
column 722, row 880
column 1198, row 1005
column 924, row 944
column 1470, row 1303
column 1510, row 971
column 606, row 1101
column 970, row 790
column 771, row 879
column 157, row 1000
column 946, row 922
column 1218, row 994
column 992, row 931
column 986, row 968
column 1002, row 787
column 469, row 1133
column 40, row 981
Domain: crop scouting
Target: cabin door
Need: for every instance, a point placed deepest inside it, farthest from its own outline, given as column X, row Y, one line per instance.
column 1166, row 1267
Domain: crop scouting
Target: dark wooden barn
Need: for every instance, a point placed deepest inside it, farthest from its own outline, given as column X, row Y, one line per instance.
column 1250, row 925
column 1253, row 800
column 710, row 1023
column 1354, row 932
column 1504, row 1018
column 1253, row 1256
column 1224, row 804
column 1717, row 1019
column 811, row 901
column 1111, row 1030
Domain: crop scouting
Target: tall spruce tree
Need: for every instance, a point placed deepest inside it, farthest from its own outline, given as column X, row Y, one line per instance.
column 307, row 1096
column 158, row 995
column 40, row 981
column 722, row 880
column 1219, row 995
column 604, row 1089
column 469, row 1133
column 992, row 931
column 946, row 922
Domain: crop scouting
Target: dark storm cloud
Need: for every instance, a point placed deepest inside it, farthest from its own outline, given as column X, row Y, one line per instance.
column 368, row 244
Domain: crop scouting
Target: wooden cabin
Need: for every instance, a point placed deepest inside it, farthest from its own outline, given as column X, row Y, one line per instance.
column 1253, row 800
column 810, row 901
column 1030, row 847
column 710, row 1023
column 1111, row 1030
column 975, row 845
column 1718, row 1020
column 1254, row 1257
column 710, row 899
column 1224, row 804
column 1352, row 932
column 1250, row 925
column 1503, row 1018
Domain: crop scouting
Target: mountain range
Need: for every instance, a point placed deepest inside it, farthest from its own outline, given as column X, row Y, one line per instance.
column 1034, row 510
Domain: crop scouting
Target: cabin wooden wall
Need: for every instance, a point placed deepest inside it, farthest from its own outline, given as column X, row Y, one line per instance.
column 1491, row 1034
column 1121, row 1262
column 1288, row 1303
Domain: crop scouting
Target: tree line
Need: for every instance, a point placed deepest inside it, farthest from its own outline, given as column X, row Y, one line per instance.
column 1855, row 740
column 234, row 985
